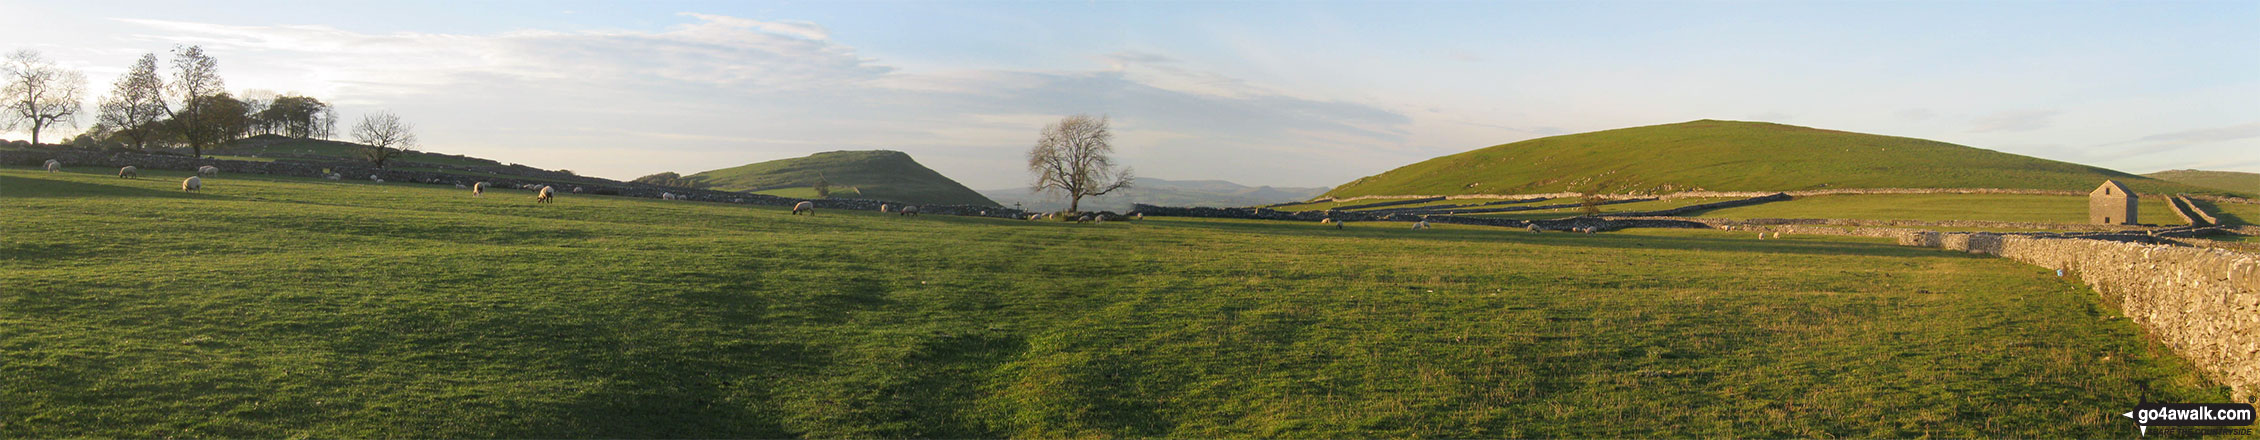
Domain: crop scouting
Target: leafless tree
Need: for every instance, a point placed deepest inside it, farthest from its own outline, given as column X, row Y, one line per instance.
column 136, row 103
column 196, row 78
column 1074, row 159
column 383, row 136
column 325, row 125
column 38, row 93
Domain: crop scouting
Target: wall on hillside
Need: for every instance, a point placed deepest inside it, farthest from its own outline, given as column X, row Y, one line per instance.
column 81, row 158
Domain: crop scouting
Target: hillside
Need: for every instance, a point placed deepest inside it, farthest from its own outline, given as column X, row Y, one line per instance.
column 1733, row 156
column 269, row 307
column 2236, row 181
column 1151, row 191
column 873, row 174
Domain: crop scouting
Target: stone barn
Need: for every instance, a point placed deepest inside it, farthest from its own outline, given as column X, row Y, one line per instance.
column 2111, row 204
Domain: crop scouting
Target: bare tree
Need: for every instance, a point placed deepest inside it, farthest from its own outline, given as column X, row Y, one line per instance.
column 1074, row 158
column 136, row 103
column 196, row 78
column 38, row 93
column 325, row 125
column 383, row 136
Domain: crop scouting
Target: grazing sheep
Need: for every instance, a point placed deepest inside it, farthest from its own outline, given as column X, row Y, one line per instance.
column 54, row 165
column 1083, row 219
column 810, row 208
column 576, row 190
column 1034, row 217
column 129, row 172
column 1777, row 234
column 192, row 184
column 1534, row 228
column 1137, row 216
column 908, row 210
column 1423, row 224
column 460, row 186
column 884, row 208
column 546, row 193
column 667, row 196
column 208, row 170
column 478, row 188
column 333, row 176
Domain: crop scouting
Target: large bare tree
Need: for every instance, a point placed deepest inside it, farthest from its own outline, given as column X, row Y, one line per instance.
column 136, row 103
column 38, row 94
column 1074, row 158
column 196, row 79
column 383, row 136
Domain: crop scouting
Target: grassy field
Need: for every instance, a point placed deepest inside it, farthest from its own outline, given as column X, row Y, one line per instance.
column 843, row 192
column 1652, row 205
column 298, row 308
column 2248, row 183
column 2230, row 213
column 1734, row 156
column 1321, row 206
column 1939, row 207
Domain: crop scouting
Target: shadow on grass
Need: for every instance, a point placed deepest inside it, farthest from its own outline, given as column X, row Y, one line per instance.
column 18, row 187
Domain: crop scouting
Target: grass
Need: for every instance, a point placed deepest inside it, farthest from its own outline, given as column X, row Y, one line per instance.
column 1941, row 207
column 1573, row 211
column 876, row 174
column 810, row 193
column 2230, row 213
column 272, row 307
column 1734, row 156
column 2241, row 182
column 1321, row 206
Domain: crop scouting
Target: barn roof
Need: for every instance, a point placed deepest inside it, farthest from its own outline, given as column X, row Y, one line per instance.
column 2112, row 188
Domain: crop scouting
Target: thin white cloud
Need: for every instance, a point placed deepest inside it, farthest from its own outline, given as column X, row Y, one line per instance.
column 2014, row 121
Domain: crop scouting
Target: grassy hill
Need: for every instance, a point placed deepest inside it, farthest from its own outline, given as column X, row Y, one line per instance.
column 273, row 307
column 874, row 174
column 2241, row 182
column 1162, row 192
column 1733, row 156
column 270, row 147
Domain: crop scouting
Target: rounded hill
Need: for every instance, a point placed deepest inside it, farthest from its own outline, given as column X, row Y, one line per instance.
column 1710, row 155
column 870, row 174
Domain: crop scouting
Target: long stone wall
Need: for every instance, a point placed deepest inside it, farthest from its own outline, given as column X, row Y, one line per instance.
column 2204, row 303
column 82, row 158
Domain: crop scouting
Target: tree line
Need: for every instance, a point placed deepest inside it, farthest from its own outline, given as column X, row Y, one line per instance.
column 189, row 106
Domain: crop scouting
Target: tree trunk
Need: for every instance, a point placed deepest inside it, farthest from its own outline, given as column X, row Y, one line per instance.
column 1074, row 203
column 35, row 126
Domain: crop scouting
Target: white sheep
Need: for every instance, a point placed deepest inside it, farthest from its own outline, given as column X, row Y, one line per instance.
column 667, row 196
column 1423, row 224
column 192, row 184
column 207, row 170
column 478, row 188
column 1138, row 216
column 810, row 208
column 885, row 208
column 544, row 196
column 460, row 186
column 333, row 176
column 576, row 190
column 908, row 210
column 54, row 165
column 373, row 178
column 129, row 172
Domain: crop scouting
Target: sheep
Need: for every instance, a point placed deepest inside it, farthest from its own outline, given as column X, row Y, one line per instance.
column 478, row 188
column 1534, row 228
column 884, row 208
column 460, row 186
column 332, row 176
column 576, row 190
column 1422, row 224
column 667, row 196
column 1083, row 219
column 374, row 178
column 1098, row 218
column 207, row 170
column 54, row 165
column 1777, row 234
column 544, row 196
column 908, row 210
column 192, row 184
column 1137, row 216
column 129, row 172
column 810, row 208
column 1331, row 221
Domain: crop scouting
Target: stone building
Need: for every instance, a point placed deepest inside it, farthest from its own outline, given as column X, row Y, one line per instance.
column 2111, row 204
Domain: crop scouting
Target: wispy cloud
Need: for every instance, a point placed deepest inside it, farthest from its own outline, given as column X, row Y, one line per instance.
column 728, row 90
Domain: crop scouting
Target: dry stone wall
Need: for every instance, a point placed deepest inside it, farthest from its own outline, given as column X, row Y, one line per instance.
column 2204, row 303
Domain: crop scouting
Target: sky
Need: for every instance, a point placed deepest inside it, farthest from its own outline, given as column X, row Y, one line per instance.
column 1259, row 93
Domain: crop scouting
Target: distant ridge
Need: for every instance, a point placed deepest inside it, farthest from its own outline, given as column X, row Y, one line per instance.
column 868, row 174
column 1734, row 156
